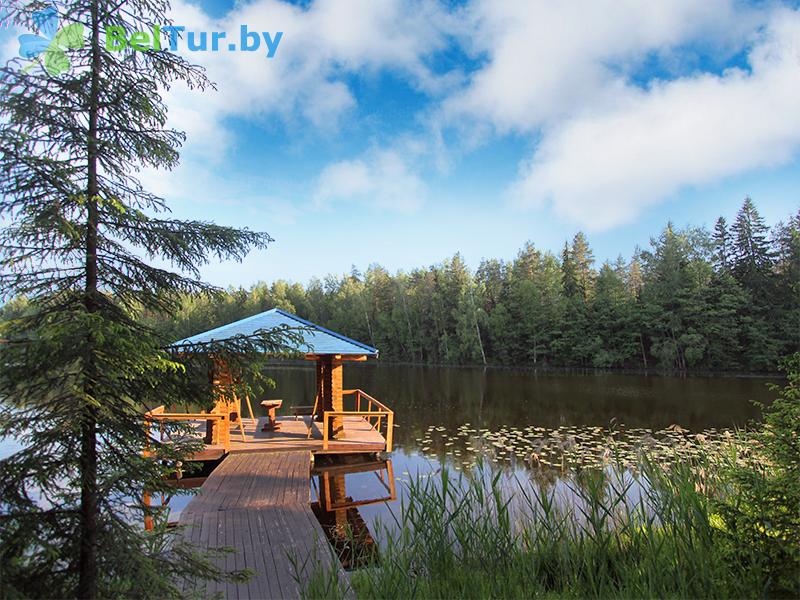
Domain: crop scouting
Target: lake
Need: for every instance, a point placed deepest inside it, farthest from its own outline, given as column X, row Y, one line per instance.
column 442, row 411
column 492, row 398
column 451, row 415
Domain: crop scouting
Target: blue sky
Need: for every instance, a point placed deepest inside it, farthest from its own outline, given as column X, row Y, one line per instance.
column 403, row 132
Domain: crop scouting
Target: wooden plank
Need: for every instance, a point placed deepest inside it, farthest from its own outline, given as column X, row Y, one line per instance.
column 214, row 542
column 260, row 584
column 258, row 504
column 225, row 517
column 264, row 548
column 279, row 544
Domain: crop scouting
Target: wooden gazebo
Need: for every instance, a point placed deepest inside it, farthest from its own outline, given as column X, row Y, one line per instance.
column 329, row 350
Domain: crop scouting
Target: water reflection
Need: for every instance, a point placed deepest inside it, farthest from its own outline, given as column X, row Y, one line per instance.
column 192, row 477
column 340, row 488
column 506, row 420
column 493, row 398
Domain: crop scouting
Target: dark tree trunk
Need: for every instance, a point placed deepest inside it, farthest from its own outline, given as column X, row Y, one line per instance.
column 87, row 565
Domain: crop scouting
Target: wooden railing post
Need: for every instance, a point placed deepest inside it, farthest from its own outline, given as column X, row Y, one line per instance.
column 148, row 518
column 391, row 480
column 325, row 430
column 148, row 427
column 389, row 431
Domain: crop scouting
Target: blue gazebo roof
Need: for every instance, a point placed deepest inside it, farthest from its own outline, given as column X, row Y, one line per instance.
column 316, row 339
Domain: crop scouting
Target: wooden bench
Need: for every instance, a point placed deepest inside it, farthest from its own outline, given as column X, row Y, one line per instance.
column 302, row 411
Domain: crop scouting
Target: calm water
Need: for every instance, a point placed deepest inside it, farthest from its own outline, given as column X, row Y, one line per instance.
column 501, row 399
column 432, row 403
column 493, row 398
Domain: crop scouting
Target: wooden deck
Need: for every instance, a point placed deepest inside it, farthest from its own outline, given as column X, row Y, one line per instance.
column 359, row 437
column 258, row 504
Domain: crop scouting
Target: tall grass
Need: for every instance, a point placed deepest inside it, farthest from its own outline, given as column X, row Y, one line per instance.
column 723, row 525
column 653, row 535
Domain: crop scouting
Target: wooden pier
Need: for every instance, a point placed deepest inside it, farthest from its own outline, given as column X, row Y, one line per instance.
column 367, row 428
column 258, row 504
column 257, row 500
column 360, row 436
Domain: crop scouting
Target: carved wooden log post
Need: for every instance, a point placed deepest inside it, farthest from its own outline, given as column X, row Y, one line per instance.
column 329, row 390
column 337, row 401
column 218, row 431
column 339, row 497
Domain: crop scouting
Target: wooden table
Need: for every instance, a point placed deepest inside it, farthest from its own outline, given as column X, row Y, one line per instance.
column 271, row 406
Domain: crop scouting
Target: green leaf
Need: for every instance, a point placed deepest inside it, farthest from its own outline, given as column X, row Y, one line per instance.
column 70, row 36
column 55, row 61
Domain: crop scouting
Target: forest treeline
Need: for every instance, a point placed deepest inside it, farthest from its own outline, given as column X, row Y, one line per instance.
column 727, row 299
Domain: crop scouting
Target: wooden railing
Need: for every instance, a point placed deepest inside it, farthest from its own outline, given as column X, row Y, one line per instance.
column 375, row 412
column 159, row 415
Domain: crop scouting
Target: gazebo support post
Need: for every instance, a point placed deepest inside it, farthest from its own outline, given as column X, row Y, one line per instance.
column 221, row 378
column 329, row 390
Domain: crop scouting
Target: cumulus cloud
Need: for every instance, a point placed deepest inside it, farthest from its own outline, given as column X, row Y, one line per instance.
column 548, row 60
column 304, row 83
column 384, row 179
column 603, row 168
column 559, row 75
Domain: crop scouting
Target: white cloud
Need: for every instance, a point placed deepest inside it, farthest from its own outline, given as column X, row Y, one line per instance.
column 384, row 179
column 603, row 168
column 556, row 74
column 304, row 81
column 548, row 60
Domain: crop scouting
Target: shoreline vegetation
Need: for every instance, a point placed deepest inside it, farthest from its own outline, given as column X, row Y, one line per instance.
column 718, row 521
column 551, row 369
column 702, row 301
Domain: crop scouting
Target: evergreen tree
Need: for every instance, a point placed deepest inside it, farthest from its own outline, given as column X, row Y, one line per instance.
column 569, row 273
column 787, row 295
column 583, row 259
column 574, row 346
column 79, row 367
column 683, row 307
column 722, row 245
column 616, row 341
column 675, row 278
column 721, row 323
column 752, row 255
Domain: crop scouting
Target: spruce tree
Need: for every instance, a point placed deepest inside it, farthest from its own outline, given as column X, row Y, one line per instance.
column 753, row 264
column 787, row 297
column 583, row 259
column 569, row 273
column 752, row 255
column 722, row 245
column 77, row 367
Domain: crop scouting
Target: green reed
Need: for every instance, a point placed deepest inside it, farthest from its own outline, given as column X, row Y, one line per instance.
column 719, row 522
column 479, row 536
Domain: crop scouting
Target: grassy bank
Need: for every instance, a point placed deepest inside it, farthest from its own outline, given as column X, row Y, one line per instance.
column 724, row 524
